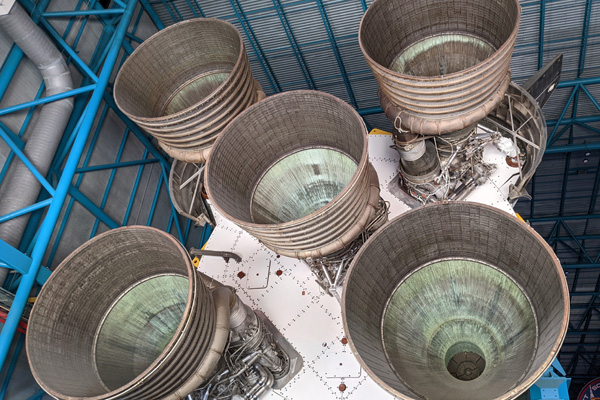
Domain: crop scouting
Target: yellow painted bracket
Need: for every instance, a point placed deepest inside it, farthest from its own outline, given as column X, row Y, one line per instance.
column 379, row 132
column 519, row 217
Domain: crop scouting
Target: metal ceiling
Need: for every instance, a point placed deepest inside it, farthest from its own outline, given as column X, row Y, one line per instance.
column 313, row 44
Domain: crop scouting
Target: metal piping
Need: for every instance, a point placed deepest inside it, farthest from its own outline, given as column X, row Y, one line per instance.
column 206, row 368
column 20, row 188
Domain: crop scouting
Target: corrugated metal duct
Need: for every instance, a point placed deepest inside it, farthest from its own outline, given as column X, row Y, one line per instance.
column 20, row 188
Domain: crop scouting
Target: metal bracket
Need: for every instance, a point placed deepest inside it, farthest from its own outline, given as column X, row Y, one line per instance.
column 226, row 255
column 542, row 84
column 14, row 259
column 6, row 6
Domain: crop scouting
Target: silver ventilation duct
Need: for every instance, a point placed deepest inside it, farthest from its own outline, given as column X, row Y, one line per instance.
column 185, row 83
column 293, row 171
column 20, row 188
column 455, row 301
column 442, row 65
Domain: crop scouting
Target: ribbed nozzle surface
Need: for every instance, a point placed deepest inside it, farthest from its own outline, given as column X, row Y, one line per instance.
column 443, row 64
column 124, row 316
column 185, row 83
column 293, row 171
column 455, row 301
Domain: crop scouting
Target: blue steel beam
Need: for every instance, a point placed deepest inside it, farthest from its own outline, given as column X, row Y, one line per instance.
column 104, row 43
column 582, row 332
column 26, row 161
column 115, row 165
column 81, row 13
column 294, row 43
column 584, row 37
column 164, row 4
column 12, row 365
column 174, row 214
column 14, row 259
column 92, row 207
column 136, row 185
column 532, row 202
column 25, row 210
column 28, row 280
column 583, row 250
column 9, row 67
column 71, row 202
column 34, row 220
column 541, row 34
column 191, row 7
column 565, row 177
column 38, row 396
column 16, row 139
column 586, row 320
column 551, row 136
column 582, row 239
column 578, row 120
column 260, row 55
column 589, row 128
column 155, row 200
column 200, row 9
column 81, row 101
column 586, row 313
column 47, row 99
column 580, row 266
column 73, row 125
column 134, row 38
column 168, row 5
column 576, row 237
column 589, row 95
column 336, row 52
column 152, row 14
column 111, row 178
column 564, row 218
